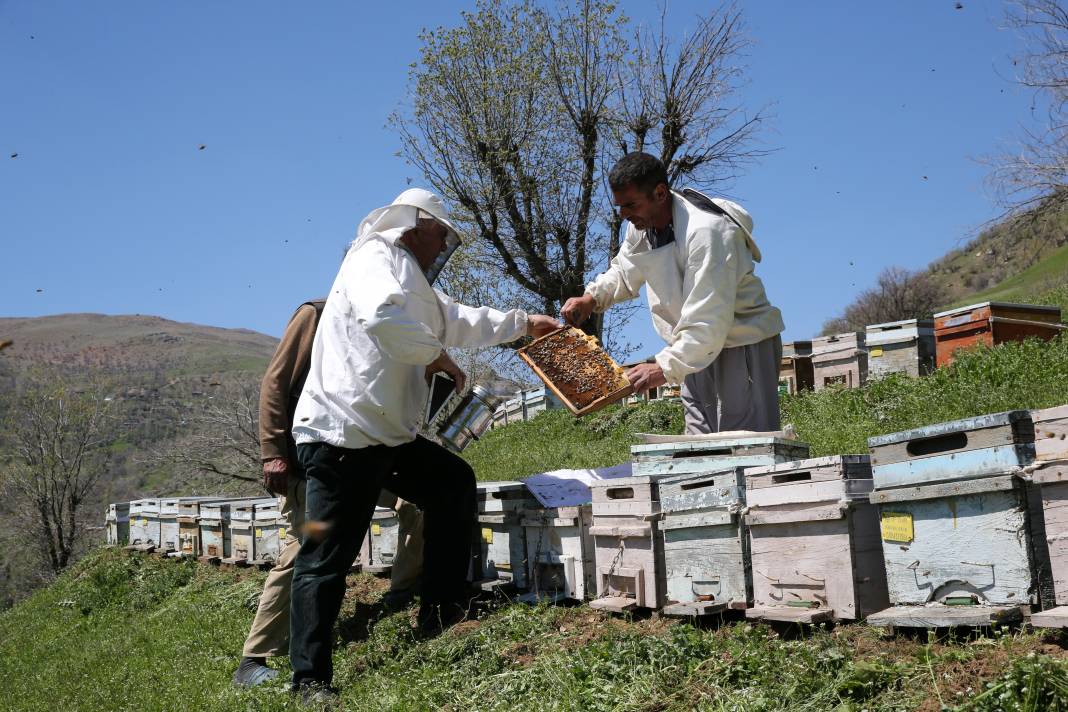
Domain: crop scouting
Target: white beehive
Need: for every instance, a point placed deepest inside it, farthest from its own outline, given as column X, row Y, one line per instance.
column 706, row 550
column 814, row 538
column 956, row 521
column 382, row 538
column 501, row 540
column 560, row 553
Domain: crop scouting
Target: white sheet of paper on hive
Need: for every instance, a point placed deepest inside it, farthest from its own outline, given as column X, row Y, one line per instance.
column 575, row 368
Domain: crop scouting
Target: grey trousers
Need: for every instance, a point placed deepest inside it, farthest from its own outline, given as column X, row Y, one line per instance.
column 738, row 391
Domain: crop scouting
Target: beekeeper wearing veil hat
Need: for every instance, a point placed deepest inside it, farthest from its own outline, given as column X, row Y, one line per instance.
column 696, row 257
column 383, row 331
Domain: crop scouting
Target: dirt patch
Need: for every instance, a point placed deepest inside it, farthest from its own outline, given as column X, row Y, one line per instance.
column 519, row 654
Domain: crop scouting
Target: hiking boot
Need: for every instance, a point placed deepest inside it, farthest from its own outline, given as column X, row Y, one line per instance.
column 319, row 696
column 252, row 672
column 434, row 618
column 396, row 601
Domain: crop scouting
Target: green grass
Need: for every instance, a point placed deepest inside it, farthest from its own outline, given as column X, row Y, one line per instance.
column 130, row 632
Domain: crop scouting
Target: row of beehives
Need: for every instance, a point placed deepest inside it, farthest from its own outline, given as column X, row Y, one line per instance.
column 960, row 523
column 247, row 531
column 913, row 347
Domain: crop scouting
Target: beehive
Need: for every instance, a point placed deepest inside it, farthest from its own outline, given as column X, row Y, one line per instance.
column 1050, row 477
column 117, row 524
column 382, row 539
column 178, row 516
column 144, row 523
column 814, row 540
column 575, row 367
column 242, row 531
column 629, row 550
column 956, row 521
column 795, row 367
column 214, row 523
column 901, row 347
column 501, row 540
column 706, row 550
column 560, row 553
column 710, row 453
column 271, row 529
column 840, row 359
column 992, row 323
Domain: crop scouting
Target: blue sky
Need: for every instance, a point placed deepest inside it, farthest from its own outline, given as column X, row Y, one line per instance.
column 881, row 110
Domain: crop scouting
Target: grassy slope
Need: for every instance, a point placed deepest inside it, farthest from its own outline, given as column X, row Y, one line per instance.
column 129, row 632
column 1051, row 270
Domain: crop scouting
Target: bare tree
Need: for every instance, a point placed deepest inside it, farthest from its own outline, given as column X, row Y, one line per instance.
column 1037, row 170
column 60, row 437
column 898, row 294
column 219, row 444
column 516, row 113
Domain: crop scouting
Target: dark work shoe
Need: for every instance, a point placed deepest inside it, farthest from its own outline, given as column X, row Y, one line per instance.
column 394, row 601
column 319, row 696
column 434, row 618
column 252, row 672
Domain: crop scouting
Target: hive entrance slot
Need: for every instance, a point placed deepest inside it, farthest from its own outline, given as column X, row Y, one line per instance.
column 936, row 444
column 698, row 485
column 710, row 452
column 791, row 477
column 621, row 493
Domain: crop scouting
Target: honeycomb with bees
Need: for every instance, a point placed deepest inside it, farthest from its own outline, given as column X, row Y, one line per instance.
column 575, row 367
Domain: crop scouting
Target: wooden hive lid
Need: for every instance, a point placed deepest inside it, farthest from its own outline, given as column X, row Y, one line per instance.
column 998, row 305
column 1018, row 421
column 1045, row 415
column 726, row 473
column 814, row 469
column 501, row 486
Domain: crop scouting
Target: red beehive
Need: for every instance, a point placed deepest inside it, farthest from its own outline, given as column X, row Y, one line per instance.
column 992, row 323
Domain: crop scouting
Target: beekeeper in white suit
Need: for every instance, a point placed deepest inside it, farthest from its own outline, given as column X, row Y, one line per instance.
column 383, row 331
column 695, row 256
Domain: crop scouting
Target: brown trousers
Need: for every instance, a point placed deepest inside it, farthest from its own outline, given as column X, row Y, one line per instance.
column 269, row 635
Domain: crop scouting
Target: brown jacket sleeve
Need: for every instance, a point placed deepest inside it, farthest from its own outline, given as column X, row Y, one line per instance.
column 279, row 388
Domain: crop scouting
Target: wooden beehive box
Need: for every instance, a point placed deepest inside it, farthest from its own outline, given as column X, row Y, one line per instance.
column 840, row 359
column 502, row 550
column 117, row 524
column 957, row 521
column 901, row 347
column 795, row 367
column 560, row 553
column 382, row 541
column 214, row 520
column 705, row 454
column 706, row 550
column 577, row 370
column 181, row 519
column 242, row 531
column 814, row 539
column 271, row 529
column 629, row 551
column 144, row 523
column 992, row 323
column 1050, row 478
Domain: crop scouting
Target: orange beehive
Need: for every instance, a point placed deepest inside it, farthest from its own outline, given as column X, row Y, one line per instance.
column 992, row 323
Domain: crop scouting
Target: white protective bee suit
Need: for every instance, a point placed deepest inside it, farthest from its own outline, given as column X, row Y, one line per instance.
column 381, row 326
column 710, row 308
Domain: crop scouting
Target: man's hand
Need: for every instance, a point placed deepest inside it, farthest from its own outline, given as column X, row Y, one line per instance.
column 444, row 364
column 645, row 376
column 276, row 475
column 578, row 309
column 540, row 325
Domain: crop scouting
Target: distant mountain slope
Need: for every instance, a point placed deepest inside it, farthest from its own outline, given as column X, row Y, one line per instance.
column 134, row 343
column 1024, row 254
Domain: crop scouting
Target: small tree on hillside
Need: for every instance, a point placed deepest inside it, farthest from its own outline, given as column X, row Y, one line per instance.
column 1037, row 170
column 61, row 438
column 898, row 294
column 517, row 113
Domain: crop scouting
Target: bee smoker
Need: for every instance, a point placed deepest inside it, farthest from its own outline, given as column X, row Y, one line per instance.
column 471, row 417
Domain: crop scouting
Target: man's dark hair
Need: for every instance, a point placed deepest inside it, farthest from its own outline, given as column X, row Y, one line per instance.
column 639, row 169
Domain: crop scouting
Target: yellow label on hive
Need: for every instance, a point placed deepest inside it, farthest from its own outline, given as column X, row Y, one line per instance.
column 873, row 353
column 259, row 533
column 281, row 532
column 897, row 526
column 487, row 535
column 376, row 529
